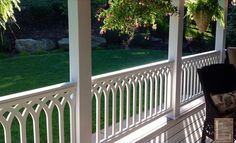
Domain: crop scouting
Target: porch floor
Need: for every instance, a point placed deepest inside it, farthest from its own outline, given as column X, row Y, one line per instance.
column 187, row 129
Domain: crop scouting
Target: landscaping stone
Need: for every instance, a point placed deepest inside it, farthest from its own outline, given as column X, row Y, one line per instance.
column 97, row 40
column 155, row 40
column 34, row 46
column 64, row 43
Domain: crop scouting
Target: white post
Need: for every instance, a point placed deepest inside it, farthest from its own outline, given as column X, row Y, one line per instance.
column 175, row 54
column 80, row 66
column 221, row 31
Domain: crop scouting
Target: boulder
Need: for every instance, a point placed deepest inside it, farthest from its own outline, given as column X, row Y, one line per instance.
column 97, row 40
column 34, row 46
column 64, row 43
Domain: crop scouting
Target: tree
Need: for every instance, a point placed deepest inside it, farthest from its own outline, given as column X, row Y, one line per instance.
column 127, row 16
column 231, row 27
column 7, row 8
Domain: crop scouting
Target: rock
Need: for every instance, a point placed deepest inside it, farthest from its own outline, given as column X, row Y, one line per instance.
column 34, row 46
column 64, row 43
column 97, row 40
column 155, row 40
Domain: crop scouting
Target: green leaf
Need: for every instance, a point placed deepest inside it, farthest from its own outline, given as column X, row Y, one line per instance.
column 7, row 8
column 127, row 16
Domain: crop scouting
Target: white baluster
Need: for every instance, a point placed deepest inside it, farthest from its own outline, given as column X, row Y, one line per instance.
column 127, row 105
column 145, row 97
column 121, row 108
column 98, row 118
column 134, row 101
column 140, row 100
column 61, row 124
column 106, row 118
column 114, row 95
column 156, row 94
column 161, row 93
column 151, row 95
column 7, row 132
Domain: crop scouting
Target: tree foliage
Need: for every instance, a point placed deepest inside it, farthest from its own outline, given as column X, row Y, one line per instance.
column 126, row 16
column 231, row 27
column 7, row 8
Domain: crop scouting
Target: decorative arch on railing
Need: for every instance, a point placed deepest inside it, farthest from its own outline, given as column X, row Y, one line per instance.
column 190, row 85
column 34, row 105
column 134, row 100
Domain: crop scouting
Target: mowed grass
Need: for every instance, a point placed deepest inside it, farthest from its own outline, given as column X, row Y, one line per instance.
column 25, row 73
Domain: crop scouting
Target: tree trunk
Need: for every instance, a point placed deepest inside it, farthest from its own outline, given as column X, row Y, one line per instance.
column 127, row 43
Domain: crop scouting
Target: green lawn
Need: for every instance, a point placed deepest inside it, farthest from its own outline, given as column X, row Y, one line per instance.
column 25, row 73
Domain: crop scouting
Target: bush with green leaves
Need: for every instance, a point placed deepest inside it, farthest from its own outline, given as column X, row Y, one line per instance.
column 127, row 16
column 7, row 9
column 95, row 4
column 5, row 44
column 231, row 27
column 43, row 9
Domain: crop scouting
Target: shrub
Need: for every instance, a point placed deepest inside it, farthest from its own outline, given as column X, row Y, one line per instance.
column 231, row 29
column 45, row 8
column 24, row 54
column 163, row 29
column 140, row 41
column 113, row 37
column 3, row 56
column 5, row 44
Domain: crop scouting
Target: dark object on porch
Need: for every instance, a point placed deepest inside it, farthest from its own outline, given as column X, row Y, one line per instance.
column 232, row 55
column 216, row 79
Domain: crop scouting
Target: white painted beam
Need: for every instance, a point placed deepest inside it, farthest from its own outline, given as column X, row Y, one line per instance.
column 221, row 31
column 80, row 66
column 175, row 54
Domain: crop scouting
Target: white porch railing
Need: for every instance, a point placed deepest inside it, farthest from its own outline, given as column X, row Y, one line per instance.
column 122, row 101
column 190, row 85
column 126, row 99
column 32, row 104
column 130, row 98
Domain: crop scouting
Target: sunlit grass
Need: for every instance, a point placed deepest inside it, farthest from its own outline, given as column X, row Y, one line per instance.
column 25, row 73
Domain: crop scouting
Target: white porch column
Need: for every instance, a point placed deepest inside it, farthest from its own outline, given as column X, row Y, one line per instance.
column 175, row 54
column 80, row 66
column 221, row 31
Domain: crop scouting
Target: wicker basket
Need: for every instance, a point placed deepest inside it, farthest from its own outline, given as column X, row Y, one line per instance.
column 202, row 20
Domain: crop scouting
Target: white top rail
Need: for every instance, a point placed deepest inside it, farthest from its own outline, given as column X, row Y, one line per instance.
column 129, row 71
column 201, row 54
column 36, row 92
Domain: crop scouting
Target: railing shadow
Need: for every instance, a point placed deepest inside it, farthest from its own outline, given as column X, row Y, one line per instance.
column 188, row 130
